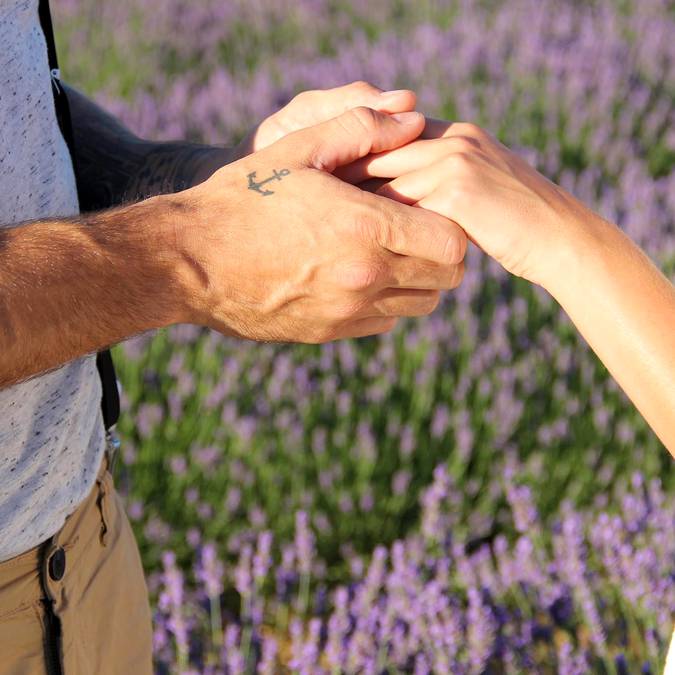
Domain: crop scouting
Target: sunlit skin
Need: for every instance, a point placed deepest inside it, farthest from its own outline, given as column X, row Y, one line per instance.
column 620, row 302
column 463, row 180
column 316, row 260
column 318, row 105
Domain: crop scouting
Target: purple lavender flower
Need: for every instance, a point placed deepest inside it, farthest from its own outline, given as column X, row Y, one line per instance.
column 135, row 509
column 171, row 601
column 268, row 660
column 432, row 500
column 232, row 655
column 304, row 543
column 525, row 514
column 262, row 558
column 400, row 482
column 570, row 663
column 210, row 570
column 440, row 421
column 243, row 577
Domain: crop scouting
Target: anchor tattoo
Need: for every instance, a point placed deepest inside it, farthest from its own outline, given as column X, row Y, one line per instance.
column 257, row 186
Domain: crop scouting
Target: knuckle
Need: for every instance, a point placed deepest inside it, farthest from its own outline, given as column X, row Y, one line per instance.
column 360, row 275
column 463, row 144
column 360, row 125
column 458, row 162
column 362, row 119
column 305, row 96
column 472, row 130
column 362, row 87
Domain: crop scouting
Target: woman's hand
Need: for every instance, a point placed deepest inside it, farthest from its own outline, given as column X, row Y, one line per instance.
column 620, row 302
column 524, row 221
column 313, row 107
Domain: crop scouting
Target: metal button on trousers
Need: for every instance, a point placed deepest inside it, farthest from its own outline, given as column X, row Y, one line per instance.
column 57, row 564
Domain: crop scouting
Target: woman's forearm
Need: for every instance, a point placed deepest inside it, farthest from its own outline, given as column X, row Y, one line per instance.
column 622, row 304
column 625, row 308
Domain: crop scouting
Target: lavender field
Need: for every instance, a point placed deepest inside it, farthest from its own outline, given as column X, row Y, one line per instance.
column 469, row 494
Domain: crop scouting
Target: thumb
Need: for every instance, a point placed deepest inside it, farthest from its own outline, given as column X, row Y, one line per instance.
column 354, row 134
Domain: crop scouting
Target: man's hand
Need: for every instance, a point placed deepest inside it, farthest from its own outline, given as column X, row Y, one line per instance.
column 115, row 166
column 315, row 106
column 279, row 249
column 511, row 211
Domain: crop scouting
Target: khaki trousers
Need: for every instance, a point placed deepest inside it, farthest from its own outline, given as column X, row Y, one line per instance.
column 78, row 604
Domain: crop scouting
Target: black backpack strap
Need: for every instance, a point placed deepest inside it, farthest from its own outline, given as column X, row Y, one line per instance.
column 110, row 400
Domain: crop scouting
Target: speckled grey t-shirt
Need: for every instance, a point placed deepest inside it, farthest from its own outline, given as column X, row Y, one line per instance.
column 51, row 429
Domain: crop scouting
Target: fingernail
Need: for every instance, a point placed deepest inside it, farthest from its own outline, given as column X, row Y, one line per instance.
column 408, row 118
column 394, row 92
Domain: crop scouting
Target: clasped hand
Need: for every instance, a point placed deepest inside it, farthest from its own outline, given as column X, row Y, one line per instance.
column 283, row 244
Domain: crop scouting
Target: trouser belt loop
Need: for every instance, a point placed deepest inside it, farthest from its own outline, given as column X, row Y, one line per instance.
column 112, row 446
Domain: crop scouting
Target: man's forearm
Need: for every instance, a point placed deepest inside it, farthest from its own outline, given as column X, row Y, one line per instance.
column 115, row 166
column 71, row 287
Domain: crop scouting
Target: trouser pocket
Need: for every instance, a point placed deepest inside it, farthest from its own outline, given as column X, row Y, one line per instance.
column 22, row 639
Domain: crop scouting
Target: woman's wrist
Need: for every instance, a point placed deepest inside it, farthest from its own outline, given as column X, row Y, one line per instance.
column 586, row 244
